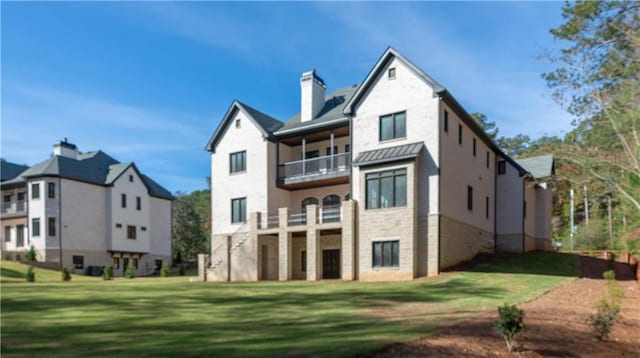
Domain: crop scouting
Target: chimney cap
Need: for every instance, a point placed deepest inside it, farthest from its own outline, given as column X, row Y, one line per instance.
column 313, row 75
column 65, row 143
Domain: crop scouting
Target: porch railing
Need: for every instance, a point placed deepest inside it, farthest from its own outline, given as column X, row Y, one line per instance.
column 269, row 221
column 314, row 166
column 297, row 218
column 329, row 214
column 13, row 207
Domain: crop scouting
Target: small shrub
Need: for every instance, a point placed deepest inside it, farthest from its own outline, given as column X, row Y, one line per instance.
column 31, row 276
column 66, row 276
column 130, row 272
column 107, row 274
column 604, row 318
column 164, row 270
column 31, row 254
column 510, row 325
column 8, row 256
column 614, row 291
column 182, row 270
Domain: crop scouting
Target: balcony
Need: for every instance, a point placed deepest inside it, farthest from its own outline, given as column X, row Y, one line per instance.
column 314, row 172
column 324, row 217
column 13, row 209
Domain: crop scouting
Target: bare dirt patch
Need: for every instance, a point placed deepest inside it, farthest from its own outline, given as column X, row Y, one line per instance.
column 557, row 325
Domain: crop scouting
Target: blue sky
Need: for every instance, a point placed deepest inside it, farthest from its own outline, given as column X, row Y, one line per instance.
column 149, row 81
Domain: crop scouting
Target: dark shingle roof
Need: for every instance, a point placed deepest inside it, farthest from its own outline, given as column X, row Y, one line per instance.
column 10, row 170
column 332, row 110
column 265, row 121
column 92, row 167
column 389, row 154
column 540, row 166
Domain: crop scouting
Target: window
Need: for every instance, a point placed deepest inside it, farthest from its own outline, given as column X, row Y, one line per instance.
column 21, row 196
column 238, row 162
column 123, row 200
column 393, row 126
column 131, row 232
column 303, row 261
column 392, row 73
column 486, row 207
column 138, row 203
column 446, row 121
column 347, row 148
column 474, row 147
column 7, row 233
column 385, row 253
column 502, row 167
column 238, row 123
column 20, row 236
column 118, row 225
column 386, row 189
column 78, row 261
column 131, row 178
column 308, row 201
column 35, row 191
column 35, row 227
column 51, row 190
column 488, row 159
column 52, row 227
column 469, row 198
column 239, row 210
column 7, row 198
column 460, row 134
column 135, row 264
column 116, row 263
column 143, row 228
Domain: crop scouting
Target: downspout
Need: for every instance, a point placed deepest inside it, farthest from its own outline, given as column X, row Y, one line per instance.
column 439, row 178
column 354, row 209
column 495, row 202
column 60, row 220
column 524, row 236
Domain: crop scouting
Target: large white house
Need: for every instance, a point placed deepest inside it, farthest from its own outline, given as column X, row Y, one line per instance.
column 389, row 179
column 86, row 209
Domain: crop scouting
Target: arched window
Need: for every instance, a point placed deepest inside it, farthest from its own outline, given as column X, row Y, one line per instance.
column 309, row 201
column 331, row 200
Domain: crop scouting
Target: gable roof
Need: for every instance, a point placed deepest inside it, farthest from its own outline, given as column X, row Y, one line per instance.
column 389, row 54
column 540, row 167
column 388, row 154
column 331, row 113
column 92, row 167
column 10, row 170
column 265, row 123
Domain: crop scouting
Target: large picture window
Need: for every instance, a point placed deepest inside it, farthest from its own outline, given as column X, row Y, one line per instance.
column 386, row 189
column 239, row 210
column 385, row 254
column 238, row 162
column 393, row 126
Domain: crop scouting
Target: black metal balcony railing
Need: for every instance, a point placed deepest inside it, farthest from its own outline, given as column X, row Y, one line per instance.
column 315, row 166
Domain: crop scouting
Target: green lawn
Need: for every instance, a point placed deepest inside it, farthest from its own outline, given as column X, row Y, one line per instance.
column 174, row 317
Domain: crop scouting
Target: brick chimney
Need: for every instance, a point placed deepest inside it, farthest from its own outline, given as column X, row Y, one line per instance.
column 312, row 95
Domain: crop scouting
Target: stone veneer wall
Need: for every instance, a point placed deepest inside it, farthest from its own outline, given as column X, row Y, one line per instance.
column 509, row 243
column 461, row 242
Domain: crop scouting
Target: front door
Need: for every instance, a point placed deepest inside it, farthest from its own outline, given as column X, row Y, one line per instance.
column 330, row 264
column 265, row 262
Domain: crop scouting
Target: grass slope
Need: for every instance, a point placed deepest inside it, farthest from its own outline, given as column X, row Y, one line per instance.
column 172, row 317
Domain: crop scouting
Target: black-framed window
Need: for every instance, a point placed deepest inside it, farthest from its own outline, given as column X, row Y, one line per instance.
column 308, row 201
column 393, row 126
column 386, row 253
column 135, row 263
column 502, row 167
column 116, row 263
column 131, row 232
column 470, row 197
column 35, row 227
column 446, row 121
column 474, row 147
column 486, row 207
column 35, row 191
column 51, row 190
column 138, row 203
column 386, row 189
column 238, row 162
column 392, row 73
column 21, row 196
column 7, row 198
column 123, row 200
column 488, row 160
column 19, row 235
column 347, row 148
column 78, row 261
column 7, row 233
column 52, row 227
column 131, row 178
column 239, row 210
column 460, row 134
column 303, row 261
column 238, row 123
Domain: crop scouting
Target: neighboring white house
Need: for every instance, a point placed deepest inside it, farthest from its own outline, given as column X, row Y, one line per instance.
column 87, row 209
column 390, row 179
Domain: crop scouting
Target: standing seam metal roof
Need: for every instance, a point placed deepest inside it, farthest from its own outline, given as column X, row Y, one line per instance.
column 389, row 154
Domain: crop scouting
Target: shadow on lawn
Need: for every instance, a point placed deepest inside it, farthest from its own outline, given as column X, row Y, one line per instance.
column 535, row 263
column 9, row 273
column 227, row 319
